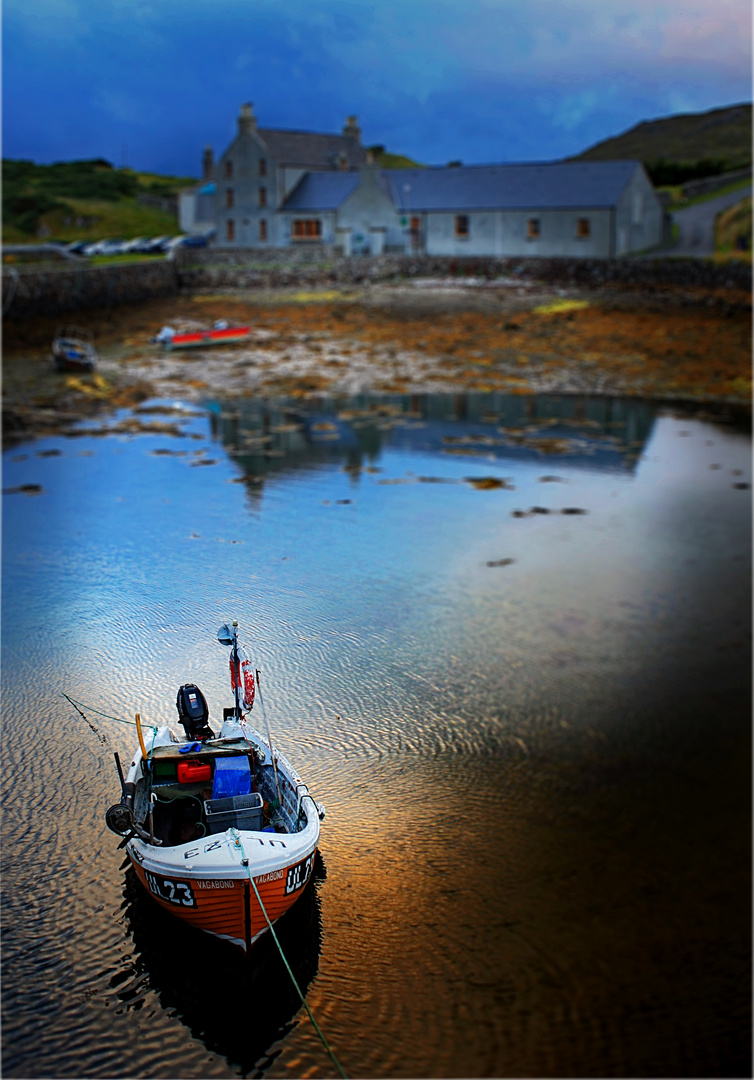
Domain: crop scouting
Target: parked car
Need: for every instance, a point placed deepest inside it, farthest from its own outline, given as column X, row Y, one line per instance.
column 195, row 240
column 172, row 242
column 109, row 246
column 141, row 244
column 134, row 244
column 154, row 246
column 77, row 247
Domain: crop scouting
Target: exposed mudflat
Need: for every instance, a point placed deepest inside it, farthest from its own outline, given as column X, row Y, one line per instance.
column 429, row 336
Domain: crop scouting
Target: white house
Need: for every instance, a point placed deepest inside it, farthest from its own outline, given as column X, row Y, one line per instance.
column 275, row 188
column 574, row 209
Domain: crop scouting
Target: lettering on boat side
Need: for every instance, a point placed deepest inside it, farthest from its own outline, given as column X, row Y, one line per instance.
column 274, row 876
column 176, row 892
column 213, row 846
column 298, row 875
column 211, row 884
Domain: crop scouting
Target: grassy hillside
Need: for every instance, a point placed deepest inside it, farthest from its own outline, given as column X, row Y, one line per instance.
column 733, row 230
column 683, row 147
column 386, row 160
column 81, row 199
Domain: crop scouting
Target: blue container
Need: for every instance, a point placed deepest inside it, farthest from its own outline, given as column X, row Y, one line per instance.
column 232, row 777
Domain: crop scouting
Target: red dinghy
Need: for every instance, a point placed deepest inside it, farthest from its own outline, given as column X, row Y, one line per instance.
column 192, row 339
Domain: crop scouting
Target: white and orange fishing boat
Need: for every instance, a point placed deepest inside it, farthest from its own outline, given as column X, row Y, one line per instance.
column 220, row 828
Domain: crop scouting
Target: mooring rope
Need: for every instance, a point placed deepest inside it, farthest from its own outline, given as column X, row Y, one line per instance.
column 107, row 716
column 245, row 860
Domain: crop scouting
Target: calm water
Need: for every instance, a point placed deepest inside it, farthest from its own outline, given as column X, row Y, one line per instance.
column 526, row 707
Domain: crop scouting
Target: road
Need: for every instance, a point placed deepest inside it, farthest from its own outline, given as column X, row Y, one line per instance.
column 697, row 223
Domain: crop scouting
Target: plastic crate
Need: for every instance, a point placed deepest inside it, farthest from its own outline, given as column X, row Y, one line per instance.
column 164, row 771
column 232, row 777
column 237, row 812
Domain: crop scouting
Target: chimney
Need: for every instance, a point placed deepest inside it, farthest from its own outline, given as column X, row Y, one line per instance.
column 352, row 129
column 208, row 164
column 247, row 121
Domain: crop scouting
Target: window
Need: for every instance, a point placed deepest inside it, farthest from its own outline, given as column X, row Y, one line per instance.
column 263, row 196
column 532, row 228
column 228, row 169
column 230, row 229
column 583, row 228
column 263, row 230
column 262, row 166
column 229, row 198
column 638, row 208
column 462, row 226
column 302, row 229
column 415, row 226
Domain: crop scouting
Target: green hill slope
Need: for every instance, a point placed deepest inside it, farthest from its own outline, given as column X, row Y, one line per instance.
column 683, row 147
column 386, row 160
column 86, row 199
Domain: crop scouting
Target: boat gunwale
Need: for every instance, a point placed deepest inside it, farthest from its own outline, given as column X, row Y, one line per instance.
column 289, row 847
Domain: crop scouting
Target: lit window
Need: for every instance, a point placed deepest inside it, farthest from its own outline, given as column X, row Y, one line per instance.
column 229, row 198
column 263, row 196
column 462, row 226
column 228, row 169
column 303, row 229
column 263, row 230
column 230, row 229
column 532, row 228
column 583, row 228
column 262, row 166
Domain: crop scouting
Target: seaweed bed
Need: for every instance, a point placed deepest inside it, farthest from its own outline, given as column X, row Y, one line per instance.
column 672, row 343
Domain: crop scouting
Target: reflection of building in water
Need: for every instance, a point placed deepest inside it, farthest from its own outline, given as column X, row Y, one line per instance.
column 267, row 438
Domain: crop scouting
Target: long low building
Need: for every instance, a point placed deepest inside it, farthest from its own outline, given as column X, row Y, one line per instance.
column 275, row 188
column 578, row 209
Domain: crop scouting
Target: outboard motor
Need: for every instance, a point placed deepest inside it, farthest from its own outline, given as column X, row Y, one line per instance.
column 194, row 713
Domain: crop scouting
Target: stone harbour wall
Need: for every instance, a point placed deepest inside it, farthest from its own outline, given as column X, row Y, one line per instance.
column 245, row 269
column 58, row 289
column 62, row 289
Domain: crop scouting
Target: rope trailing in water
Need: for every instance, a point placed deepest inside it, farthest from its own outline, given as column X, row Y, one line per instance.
column 239, row 843
column 100, row 735
column 89, row 708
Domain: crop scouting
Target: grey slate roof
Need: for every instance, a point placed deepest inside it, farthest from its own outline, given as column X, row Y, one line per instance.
column 322, row 191
column 571, row 185
column 310, row 150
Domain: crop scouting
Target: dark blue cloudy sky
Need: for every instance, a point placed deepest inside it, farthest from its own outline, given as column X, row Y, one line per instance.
column 149, row 83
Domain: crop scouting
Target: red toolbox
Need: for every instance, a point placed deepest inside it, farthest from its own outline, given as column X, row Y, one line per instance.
column 192, row 772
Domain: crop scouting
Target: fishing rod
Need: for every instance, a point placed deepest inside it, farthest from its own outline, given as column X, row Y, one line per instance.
column 269, row 739
column 236, row 668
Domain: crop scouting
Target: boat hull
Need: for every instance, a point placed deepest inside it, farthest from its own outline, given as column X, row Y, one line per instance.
column 201, row 338
column 73, row 356
column 225, row 906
